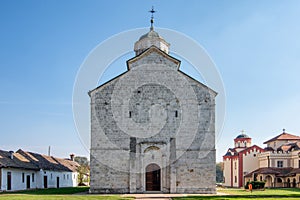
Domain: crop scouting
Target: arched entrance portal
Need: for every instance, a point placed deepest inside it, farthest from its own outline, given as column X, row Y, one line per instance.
column 268, row 180
column 294, row 183
column 153, row 177
column 288, row 183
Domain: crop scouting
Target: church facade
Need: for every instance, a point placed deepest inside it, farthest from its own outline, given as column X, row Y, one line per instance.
column 152, row 127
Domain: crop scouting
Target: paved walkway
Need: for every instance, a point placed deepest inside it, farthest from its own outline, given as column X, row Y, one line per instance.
column 165, row 196
column 150, row 196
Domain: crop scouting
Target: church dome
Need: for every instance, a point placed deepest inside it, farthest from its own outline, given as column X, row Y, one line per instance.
column 151, row 34
column 242, row 136
column 152, row 38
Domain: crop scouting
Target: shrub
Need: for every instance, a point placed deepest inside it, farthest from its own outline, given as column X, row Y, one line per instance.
column 256, row 184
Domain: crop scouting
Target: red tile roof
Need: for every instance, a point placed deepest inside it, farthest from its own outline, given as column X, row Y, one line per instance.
column 284, row 136
column 278, row 172
column 289, row 146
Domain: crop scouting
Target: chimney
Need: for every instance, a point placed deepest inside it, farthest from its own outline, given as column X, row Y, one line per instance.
column 49, row 151
column 72, row 157
column 11, row 154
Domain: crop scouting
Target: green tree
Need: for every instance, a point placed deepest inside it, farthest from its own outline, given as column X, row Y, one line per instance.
column 219, row 172
column 83, row 170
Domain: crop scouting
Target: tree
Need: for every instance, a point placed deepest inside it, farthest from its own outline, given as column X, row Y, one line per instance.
column 83, row 170
column 219, row 172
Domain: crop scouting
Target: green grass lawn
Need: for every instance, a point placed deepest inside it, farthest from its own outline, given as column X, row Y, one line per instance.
column 67, row 190
column 269, row 194
column 72, row 193
column 230, row 198
column 60, row 194
column 59, row 197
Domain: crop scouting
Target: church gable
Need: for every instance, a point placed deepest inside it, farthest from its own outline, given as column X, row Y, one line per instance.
column 106, row 84
column 153, row 56
column 200, row 86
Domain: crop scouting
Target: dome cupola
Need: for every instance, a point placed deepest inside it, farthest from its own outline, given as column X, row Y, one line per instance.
column 149, row 39
column 242, row 140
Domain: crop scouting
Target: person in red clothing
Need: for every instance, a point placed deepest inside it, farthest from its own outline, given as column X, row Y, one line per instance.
column 250, row 187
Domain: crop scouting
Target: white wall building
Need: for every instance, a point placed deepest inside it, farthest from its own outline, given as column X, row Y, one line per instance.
column 26, row 170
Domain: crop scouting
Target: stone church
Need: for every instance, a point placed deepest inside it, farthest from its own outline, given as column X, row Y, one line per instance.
column 152, row 127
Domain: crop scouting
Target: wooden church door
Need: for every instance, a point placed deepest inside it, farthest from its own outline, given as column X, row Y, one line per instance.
column 152, row 177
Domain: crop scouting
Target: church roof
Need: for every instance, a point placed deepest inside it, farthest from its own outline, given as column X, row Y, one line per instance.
column 151, row 38
column 278, row 172
column 151, row 34
column 148, row 51
column 283, row 136
column 231, row 152
column 234, row 152
column 147, row 44
column 242, row 136
column 145, row 53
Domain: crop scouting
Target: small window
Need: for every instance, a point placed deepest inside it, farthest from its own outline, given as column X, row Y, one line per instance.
column 64, row 176
column 176, row 113
column 235, row 179
column 280, row 163
column 23, row 177
column 32, row 177
column 51, row 175
column 129, row 114
column 67, row 176
column 235, row 165
column 254, row 155
column 260, row 178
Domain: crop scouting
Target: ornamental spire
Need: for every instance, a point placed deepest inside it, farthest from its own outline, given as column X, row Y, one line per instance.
column 152, row 11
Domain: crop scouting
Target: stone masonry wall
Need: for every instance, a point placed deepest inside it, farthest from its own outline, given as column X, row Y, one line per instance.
column 133, row 120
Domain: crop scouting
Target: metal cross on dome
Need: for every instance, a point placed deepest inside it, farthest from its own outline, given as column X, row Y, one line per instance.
column 152, row 11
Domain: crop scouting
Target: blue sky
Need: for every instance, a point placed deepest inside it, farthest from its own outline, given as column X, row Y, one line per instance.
column 254, row 44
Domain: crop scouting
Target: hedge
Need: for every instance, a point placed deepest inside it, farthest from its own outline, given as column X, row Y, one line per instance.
column 256, row 184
